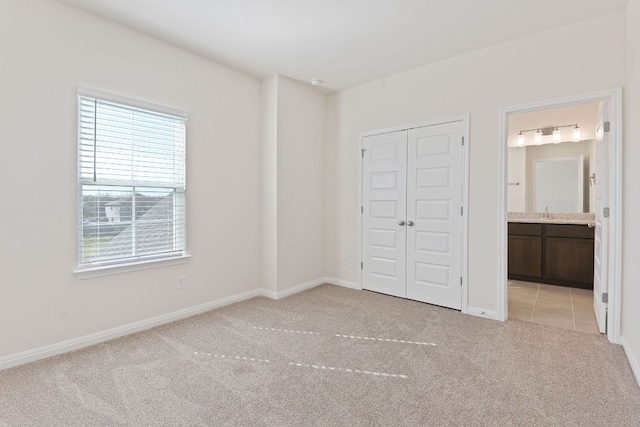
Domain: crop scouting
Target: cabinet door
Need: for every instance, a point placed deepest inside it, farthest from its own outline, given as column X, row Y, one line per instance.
column 569, row 260
column 525, row 257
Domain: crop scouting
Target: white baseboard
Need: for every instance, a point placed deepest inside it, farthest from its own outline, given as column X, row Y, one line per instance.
column 87, row 340
column 343, row 283
column 480, row 312
column 635, row 363
column 293, row 290
column 312, row 284
column 268, row 293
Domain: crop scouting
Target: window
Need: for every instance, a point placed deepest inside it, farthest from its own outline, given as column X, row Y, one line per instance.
column 131, row 183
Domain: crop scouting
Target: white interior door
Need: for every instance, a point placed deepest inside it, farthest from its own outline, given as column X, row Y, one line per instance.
column 434, row 214
column 384, row 213
column 602, row 225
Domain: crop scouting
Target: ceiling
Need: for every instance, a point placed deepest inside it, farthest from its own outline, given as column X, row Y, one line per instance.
column 343, row 42
column 586, row 116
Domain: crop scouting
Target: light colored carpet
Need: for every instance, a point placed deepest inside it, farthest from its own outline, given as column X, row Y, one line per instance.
column 327, row 357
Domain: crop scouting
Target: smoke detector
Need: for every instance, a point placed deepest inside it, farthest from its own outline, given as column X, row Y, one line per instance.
column 316, row 82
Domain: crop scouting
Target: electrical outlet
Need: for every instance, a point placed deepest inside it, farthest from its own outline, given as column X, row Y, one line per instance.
column 345, row 260
column 181, row 283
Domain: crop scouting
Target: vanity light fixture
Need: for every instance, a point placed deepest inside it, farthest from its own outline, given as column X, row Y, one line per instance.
column 576, row 133
column 538, row 138
column 553, row 131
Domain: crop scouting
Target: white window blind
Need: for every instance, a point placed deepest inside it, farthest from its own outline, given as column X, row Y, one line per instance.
column 131, row 183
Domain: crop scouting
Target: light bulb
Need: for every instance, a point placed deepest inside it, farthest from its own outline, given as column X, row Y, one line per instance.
column 556, row 135
column 520, row 139
column 576, row 133
column 538, row 139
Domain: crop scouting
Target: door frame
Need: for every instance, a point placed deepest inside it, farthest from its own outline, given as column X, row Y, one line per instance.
column 614, row 166
column 464, row 118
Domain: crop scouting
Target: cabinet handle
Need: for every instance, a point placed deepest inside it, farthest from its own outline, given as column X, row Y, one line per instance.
column 401, row 222
column 410, row 223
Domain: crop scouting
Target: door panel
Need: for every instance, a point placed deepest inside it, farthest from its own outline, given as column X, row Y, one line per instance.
column 434, row 200
column 384, row 205
column 602, row 226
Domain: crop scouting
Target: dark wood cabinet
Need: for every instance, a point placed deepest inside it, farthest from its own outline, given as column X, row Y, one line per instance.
column 525, row 256
column 525, row 251
column 559, row 254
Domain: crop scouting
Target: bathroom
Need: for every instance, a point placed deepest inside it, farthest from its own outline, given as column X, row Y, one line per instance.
column 553, row 193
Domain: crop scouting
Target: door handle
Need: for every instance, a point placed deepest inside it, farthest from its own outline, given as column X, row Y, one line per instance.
column 410, row 223
column 401, row 222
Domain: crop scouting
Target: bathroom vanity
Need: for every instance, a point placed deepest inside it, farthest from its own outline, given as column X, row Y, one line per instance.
column 556, row 250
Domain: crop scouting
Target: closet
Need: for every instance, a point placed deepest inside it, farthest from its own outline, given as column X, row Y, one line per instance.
column 412, row 216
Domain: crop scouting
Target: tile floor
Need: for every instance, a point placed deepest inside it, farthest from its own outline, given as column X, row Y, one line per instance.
column 561, row 306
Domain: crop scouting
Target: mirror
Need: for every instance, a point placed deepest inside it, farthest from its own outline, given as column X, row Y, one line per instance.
column 558, row 184
column 551, row 175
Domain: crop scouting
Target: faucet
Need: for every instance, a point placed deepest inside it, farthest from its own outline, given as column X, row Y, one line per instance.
column 545, row 214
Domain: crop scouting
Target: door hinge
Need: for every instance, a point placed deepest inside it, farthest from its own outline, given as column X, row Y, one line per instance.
column 607, row 126
column 461, row 210
column 463, row 140
column 460, row 280
column 363, row 150
column 361, row 209
column 605, row 297
column 361, row 265
column 606, row 212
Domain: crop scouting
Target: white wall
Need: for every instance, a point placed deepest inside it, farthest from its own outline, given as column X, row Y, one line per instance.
column 301, row 175
column 269, row 185
column 293, row 174
column 631, row 201
column 478, row 83
column 517, row 174
column 47, row 49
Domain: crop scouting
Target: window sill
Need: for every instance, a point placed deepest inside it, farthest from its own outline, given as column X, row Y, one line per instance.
column 107, row 270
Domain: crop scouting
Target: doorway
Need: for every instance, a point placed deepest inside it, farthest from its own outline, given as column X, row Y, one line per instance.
column 551, row 248
column 412, row 225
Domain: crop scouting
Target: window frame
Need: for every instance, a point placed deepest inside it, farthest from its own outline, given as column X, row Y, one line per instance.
column 87, row 270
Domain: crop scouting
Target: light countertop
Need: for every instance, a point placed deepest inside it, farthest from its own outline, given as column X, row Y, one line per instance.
column 553, row 218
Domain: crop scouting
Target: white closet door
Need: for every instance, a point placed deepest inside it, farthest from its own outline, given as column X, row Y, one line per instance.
column 384, row 213
column 434, row 201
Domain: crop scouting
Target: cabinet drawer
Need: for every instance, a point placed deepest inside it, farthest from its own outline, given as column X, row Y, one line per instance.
column 569, row 230
column 523, row 229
